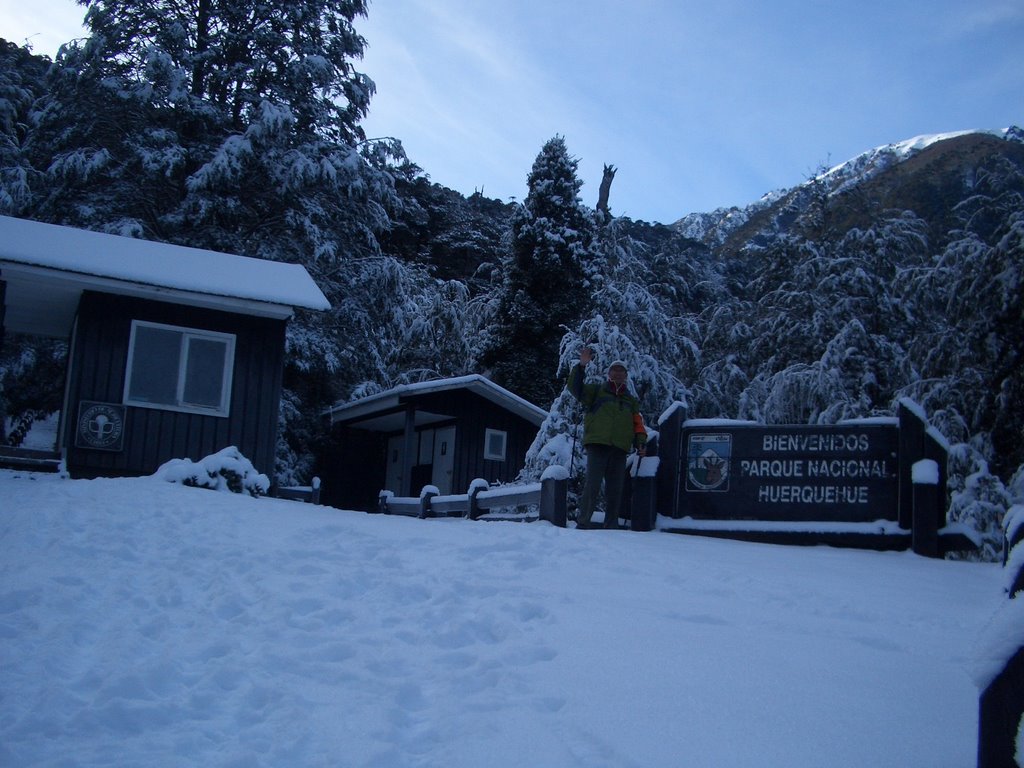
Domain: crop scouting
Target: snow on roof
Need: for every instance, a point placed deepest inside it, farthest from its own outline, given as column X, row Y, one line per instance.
column 368, row 407
column 161, row 265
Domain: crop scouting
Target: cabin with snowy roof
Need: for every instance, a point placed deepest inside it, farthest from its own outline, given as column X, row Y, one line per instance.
column 444, row 433
column 173, row 352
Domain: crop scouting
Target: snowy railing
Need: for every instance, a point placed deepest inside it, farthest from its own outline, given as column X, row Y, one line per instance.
column 309, row 493
column 550, row 495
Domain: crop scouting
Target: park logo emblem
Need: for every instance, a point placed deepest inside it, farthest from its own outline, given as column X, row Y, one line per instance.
column 707, row 462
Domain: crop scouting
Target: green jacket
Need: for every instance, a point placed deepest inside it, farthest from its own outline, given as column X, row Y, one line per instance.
column 609, row 417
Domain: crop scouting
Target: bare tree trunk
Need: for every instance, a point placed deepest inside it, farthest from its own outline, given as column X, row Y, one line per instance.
column 606, row 186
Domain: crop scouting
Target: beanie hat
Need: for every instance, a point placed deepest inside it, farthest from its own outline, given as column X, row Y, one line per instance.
column 618, row 363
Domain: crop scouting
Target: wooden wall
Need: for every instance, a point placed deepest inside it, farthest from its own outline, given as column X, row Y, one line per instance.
column 475, row 415
column 98, row 366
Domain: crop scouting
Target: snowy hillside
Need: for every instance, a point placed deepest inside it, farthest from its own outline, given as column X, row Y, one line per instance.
column 148, row 624
column 715, row 227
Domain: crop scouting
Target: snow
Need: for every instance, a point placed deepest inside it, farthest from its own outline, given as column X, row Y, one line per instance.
column 719, row 423
column 642, row 466
column 925, row 472
column 938, row 437
column 891, row 421
column 881, row 526
column 43, row 434
column 148, row 623
column 672, row 408
column 555, row 472
column 158, row 264
column 503, row 491
column 216, row 472
column 903, row 149
column 383, row 401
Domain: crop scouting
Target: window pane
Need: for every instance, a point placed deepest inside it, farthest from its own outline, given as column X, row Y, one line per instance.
column 155, row 358
column 494, row 444
column 204, row 372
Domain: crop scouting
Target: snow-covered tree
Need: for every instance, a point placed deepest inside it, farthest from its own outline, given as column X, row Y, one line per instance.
column 31, row 383
column 221, row 60
column 638, row 317
column 546, row 281
column 22, row 83
column 228, row 125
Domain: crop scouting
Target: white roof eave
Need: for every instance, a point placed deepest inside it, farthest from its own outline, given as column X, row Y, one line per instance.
column 192, row 275
column 393, row 398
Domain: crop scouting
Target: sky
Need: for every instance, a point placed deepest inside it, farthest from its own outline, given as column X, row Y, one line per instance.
column 698, row 105
column 144, row 623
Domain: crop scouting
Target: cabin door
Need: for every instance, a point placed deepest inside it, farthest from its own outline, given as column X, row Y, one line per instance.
column 393, row 475
column 444, row 459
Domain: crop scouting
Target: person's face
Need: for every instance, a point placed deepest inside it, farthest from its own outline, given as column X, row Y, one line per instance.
column 617, row 374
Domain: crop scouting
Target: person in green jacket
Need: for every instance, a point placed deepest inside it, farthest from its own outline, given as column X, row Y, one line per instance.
column 612, row 426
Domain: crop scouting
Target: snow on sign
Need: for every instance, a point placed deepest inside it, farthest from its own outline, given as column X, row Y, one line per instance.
column 846, row 472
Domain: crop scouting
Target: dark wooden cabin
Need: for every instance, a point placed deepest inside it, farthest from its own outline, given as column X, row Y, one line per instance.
column 444, row 433
column 173, row 352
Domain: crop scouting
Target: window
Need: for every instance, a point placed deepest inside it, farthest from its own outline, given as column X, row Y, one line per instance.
column 494, row 444
column 179, row 369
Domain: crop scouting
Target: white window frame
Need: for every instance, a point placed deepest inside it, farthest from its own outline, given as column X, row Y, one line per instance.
column 495, row 455
column 223, row 409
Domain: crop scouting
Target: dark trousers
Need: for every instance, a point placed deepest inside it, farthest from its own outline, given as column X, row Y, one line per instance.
column 605, row 464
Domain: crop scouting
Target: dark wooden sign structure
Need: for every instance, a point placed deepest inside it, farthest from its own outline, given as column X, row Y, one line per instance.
column 723, row 475
column 835, row 473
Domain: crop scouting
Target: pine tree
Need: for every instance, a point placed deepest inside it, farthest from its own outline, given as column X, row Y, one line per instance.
column 228, row 125
column 546, row 285
column 22, row 84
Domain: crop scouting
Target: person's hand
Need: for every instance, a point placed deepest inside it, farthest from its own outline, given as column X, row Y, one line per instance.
column 586, row 355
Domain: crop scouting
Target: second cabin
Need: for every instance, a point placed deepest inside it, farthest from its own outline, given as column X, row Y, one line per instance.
column 444, row 433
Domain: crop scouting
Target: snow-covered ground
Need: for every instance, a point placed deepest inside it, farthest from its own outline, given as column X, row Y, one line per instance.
column 147, row 624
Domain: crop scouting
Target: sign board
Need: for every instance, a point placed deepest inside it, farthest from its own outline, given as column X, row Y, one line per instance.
column 100, row 426
column 843, row 473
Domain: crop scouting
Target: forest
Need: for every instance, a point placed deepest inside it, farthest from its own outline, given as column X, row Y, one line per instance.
column 236, row 127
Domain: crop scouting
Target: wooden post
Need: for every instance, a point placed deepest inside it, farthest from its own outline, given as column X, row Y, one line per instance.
column 934, row 448
column 3, row 314
column 1001, row 704
column 409, row 452
column 425, row 498
column 673, row 477
column 911, row 449
column 474, row 503
column 925, row 529
column 644, row 496
column 1000, row 710
column 554, row 500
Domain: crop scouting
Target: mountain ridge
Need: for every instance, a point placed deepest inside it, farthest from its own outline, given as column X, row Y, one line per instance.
column 723, row 226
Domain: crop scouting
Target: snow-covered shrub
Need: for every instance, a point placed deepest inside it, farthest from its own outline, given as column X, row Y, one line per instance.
column 226, row 470
column 979, row 500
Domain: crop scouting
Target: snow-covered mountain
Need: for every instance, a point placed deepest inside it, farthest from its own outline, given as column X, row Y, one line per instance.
column 715, row 228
